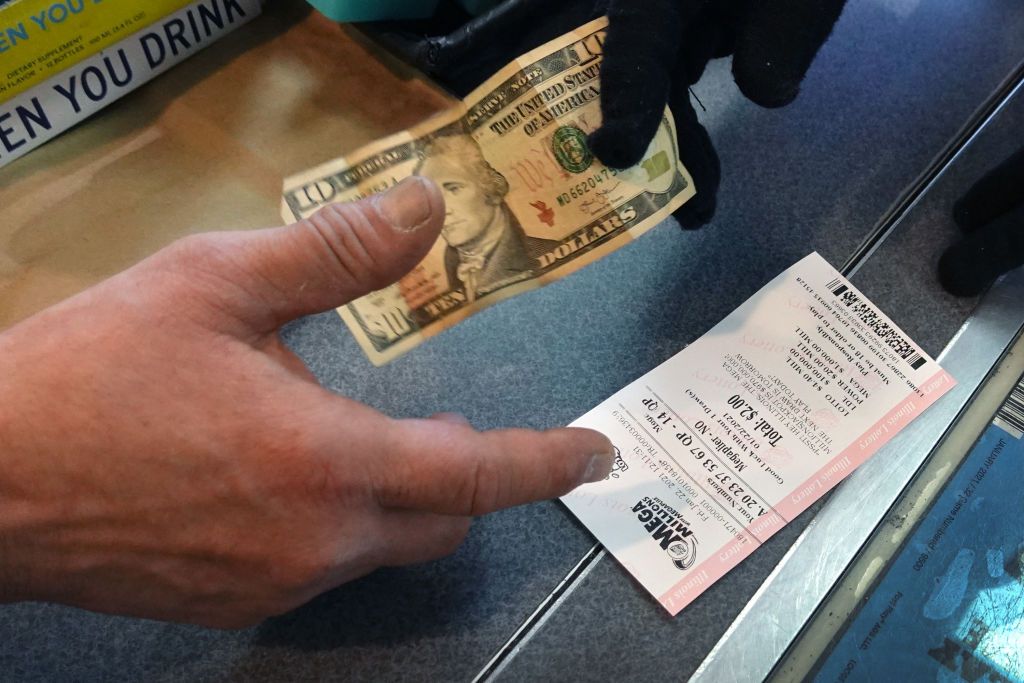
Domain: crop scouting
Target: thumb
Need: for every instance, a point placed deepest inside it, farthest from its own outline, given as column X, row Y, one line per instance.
column 341, row 253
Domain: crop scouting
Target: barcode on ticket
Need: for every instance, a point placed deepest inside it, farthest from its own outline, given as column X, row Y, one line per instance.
column 1011, row 416
column 876, row 323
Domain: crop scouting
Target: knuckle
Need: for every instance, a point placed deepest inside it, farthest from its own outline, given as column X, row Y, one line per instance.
column 350, row 243
column 326, row 483
column 297, row 466
column 203, row 259
column 397, row 491
column 194, row 250
column 398, row 484
column 485, row 487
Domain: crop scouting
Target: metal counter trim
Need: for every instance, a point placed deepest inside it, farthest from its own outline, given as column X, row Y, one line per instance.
column 762, row 633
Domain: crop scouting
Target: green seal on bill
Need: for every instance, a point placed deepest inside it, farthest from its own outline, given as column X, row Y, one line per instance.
column 570, row 147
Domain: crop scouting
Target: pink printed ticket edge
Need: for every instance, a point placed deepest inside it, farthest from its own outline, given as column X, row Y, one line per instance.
column 805, row 494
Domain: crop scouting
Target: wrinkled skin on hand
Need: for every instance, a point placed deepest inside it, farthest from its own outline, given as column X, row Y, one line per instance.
column 162, row 454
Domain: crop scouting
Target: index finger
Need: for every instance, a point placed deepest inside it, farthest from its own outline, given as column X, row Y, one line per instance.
column 450, row 468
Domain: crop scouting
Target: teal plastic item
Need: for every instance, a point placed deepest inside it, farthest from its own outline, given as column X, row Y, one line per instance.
column 381, row 10
column 375, row 10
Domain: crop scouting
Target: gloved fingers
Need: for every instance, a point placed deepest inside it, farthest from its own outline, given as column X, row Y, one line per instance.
column 698, row 155
column 727, row 16
column 997, row 192
column 703, row 39
column 639, row 54
column 970, row 265
column 777, row 42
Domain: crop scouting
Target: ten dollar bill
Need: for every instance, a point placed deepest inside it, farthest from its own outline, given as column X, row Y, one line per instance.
column 527, row 202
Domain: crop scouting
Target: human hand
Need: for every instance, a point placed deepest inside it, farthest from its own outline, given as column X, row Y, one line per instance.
column 162, row 454
column 991, row 216
column 654, row 51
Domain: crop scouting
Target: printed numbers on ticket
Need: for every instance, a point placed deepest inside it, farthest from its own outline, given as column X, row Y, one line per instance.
column 731, row 439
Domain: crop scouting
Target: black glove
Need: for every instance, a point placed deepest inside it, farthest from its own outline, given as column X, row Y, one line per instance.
column 654, row 51
column 991, row 215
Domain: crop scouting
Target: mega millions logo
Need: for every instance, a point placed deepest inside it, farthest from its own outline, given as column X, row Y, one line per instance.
column 670, row 529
